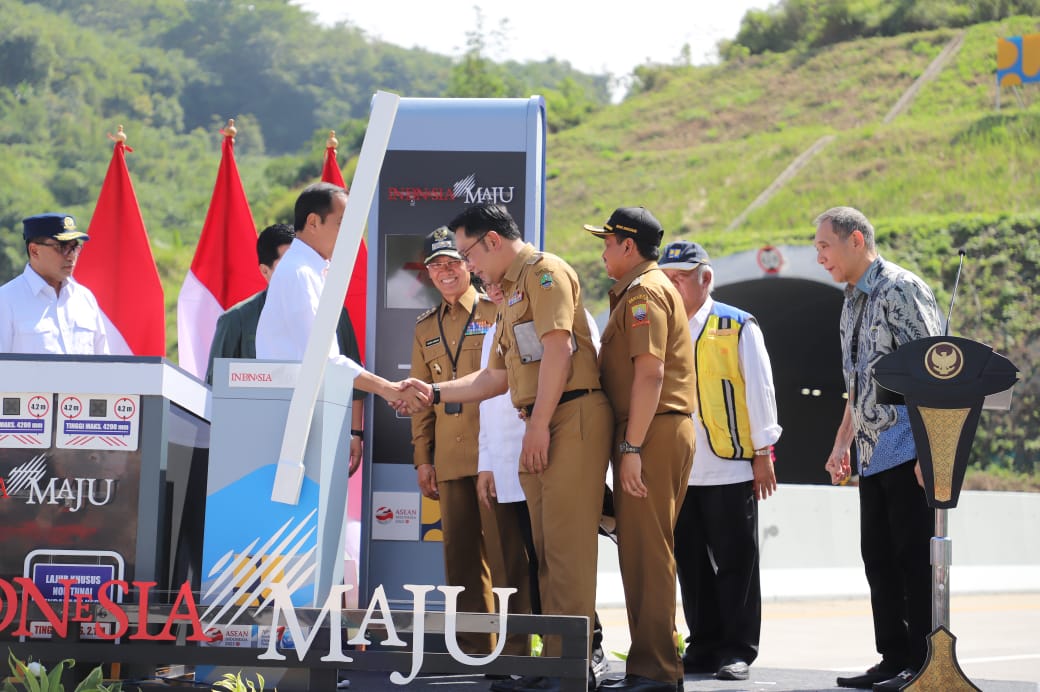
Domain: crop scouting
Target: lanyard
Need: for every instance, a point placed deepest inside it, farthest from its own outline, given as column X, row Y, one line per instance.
column 458, row 349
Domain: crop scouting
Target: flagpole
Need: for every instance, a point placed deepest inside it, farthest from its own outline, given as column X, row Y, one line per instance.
column 290, row 472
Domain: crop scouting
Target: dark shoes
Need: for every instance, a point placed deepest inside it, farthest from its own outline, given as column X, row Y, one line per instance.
column 599, row 662
column 540, row 684
column 637, row 683
column 897, row 682
column 733, row 669
column 505, row 683
column 875, row 674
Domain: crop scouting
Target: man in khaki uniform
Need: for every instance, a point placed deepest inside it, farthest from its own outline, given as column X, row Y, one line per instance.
column 647, row 369
column 545, row 357
column 447, row 344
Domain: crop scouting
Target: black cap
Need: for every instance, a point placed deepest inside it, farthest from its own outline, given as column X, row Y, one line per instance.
column 683, row 254
column 52, row 225
column 440, row 242
column 635, row 222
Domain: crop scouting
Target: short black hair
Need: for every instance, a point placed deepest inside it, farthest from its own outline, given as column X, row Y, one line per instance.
column 270, row 240
column 647, row 250
column 478, row 218
column 315, row 199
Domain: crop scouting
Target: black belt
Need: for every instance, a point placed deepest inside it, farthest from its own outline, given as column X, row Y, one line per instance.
column 525, row 411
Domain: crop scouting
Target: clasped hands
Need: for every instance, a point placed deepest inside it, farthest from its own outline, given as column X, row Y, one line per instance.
column 409, row 396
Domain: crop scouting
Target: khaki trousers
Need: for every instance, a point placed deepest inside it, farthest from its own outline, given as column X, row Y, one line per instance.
column 473, row 537
column 645, row 527
column 565, row 502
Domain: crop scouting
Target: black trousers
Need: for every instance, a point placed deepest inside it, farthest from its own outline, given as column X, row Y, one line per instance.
column 716, row 559
column 896, row 526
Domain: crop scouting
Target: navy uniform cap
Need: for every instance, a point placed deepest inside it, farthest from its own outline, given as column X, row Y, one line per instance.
column 52, row 225
column 634, row 222
column 683, row 254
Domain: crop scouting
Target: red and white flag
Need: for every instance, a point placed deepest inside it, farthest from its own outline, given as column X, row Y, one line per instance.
column 224, row 270
column 118, row 267
column 357, row 292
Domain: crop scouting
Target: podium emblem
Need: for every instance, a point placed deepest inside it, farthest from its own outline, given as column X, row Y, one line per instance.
column 943, row 360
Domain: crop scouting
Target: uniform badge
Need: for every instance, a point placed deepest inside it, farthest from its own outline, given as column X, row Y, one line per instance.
column 517, row 296
column 436, row 369
column 433, row 342
column 545, row 280
column 477, row 327
column 640, row 316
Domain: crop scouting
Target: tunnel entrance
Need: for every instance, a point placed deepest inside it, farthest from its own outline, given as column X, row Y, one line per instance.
column 798, row 308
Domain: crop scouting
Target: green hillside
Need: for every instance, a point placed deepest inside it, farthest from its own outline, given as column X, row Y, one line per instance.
column 695, row 144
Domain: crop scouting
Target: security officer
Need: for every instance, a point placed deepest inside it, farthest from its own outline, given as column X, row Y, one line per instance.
column 545, row 357
column 647, row 369
column 447, row 344
column 44, row 310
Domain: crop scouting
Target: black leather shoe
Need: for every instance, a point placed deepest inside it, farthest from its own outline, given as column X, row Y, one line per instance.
column 543, row 684
column 733, row 669
column 896, row 682
column 637, row 683
column 876, row 673
column 506, row 683
column 701, row 664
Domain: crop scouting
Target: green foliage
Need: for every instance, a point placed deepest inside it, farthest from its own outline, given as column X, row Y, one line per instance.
column 805, row 24
column 34, row 677
column 233, row 682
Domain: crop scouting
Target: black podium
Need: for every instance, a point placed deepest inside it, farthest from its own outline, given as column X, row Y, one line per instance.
column 945, row 382
column 102, row 474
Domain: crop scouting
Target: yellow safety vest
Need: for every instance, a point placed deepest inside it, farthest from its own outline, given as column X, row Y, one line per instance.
column 721, row 399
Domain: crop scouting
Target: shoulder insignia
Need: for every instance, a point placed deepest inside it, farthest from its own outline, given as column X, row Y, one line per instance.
column 536, row 258
column 426, row 314
column 636, row 282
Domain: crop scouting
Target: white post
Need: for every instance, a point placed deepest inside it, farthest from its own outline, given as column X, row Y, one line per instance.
column 289, row 476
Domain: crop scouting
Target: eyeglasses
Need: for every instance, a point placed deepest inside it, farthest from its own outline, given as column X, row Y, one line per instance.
column 449, row 266
column 480, row 238
column 65, row 247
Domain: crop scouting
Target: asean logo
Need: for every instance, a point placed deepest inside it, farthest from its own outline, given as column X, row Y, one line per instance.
column 943, row 360
column 384, row 515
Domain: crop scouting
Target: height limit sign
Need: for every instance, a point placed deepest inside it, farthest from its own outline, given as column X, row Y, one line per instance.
column 98, row 421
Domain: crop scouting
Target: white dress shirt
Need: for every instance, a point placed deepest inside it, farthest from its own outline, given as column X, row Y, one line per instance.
column 709, row 469
column 292, row 302
column 35, row 319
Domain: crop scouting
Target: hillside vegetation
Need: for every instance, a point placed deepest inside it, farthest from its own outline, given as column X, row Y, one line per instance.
column 694, row 144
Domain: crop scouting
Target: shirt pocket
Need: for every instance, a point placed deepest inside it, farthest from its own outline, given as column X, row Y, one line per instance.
column 39, row 336
column 84, row 332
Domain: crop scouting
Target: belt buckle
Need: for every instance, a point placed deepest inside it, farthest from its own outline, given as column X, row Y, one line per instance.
column 521, row 412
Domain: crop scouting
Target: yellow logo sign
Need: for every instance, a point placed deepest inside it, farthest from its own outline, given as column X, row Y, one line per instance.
column 943, row 360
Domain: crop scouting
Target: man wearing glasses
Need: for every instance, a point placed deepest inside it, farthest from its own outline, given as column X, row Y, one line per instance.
column 543, row 355
column 44, row 310
column 447, row 345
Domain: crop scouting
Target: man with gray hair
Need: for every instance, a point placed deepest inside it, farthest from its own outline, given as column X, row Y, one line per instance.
column 885, row 307
column 716, row 534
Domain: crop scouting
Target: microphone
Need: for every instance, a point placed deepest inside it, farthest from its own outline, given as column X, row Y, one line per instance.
column 953, row 297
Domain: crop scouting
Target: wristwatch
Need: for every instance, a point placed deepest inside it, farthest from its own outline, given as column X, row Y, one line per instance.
column 436, row 394
column 625, row 448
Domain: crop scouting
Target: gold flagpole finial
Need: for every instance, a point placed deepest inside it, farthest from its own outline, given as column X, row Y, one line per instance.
column 230, row 130
column 332, row 141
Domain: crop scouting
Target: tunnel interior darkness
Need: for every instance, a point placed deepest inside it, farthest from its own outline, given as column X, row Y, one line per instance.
column 799, row 319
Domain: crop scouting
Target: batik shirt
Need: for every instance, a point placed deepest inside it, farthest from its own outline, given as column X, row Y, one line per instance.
column 898, row 308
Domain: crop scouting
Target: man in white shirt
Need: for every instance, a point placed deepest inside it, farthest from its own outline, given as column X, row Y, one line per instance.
column 295, row 289
column 44, row 310
column 716, row 534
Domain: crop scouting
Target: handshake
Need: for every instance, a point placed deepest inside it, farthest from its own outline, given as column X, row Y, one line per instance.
column 408, row 396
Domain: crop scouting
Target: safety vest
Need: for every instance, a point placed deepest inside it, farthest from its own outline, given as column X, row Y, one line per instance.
column 721, row 399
